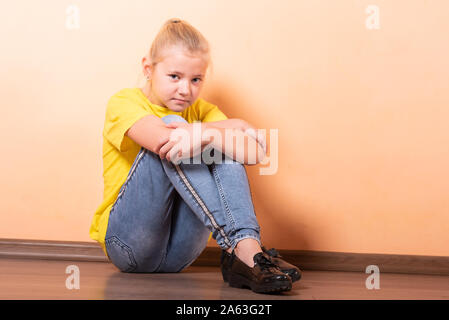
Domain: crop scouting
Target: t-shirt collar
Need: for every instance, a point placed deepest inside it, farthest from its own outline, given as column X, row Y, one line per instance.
column 162, row 109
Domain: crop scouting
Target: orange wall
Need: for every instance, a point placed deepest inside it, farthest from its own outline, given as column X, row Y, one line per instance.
column 362, row 114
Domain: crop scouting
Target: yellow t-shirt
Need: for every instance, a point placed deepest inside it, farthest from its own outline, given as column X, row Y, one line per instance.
column 119, row 151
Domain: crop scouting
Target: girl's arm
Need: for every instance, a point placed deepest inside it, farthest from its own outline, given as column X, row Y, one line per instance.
column 234, row 143
column 149, row 132
column 231, row 123
column 244, row 126
column 231, row 139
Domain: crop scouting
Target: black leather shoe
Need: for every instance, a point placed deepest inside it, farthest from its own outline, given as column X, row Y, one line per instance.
column 284, row 266
column 224, row 264
column 264, row 277
column 292, row 271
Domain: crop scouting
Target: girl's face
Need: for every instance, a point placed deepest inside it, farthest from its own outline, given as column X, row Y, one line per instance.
column 176, row 81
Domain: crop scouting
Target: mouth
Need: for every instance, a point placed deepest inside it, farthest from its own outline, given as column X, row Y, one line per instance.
column 180, row 100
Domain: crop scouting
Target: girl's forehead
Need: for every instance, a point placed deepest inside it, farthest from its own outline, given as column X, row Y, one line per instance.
column 178, row 54
column 183, row 60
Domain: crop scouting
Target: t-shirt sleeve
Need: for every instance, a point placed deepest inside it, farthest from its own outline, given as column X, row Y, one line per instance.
column 121, row 114
column 210, row 112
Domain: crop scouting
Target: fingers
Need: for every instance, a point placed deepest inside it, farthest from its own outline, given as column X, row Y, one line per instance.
column 166, row 148
column 175, row 154
column 171, row 151
column 259, row 136
column 262, row 140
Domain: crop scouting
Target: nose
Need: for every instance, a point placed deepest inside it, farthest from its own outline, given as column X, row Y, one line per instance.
column 184, row 88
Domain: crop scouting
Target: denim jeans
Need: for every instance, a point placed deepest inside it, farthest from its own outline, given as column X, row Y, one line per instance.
column 164, row 213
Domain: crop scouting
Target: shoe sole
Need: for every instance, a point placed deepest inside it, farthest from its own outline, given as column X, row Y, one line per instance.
column 295, row 277
column 225, row 275
column 238, row 281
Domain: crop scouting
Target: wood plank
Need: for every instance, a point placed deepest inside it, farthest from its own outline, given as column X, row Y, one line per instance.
column 306, row 260
column 46, row 279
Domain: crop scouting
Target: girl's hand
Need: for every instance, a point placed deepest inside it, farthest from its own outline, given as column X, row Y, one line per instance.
column 181, row 144
column 259, row 136
column 244, row 126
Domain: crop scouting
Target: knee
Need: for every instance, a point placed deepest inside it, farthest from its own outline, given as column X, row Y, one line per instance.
column 141, row 257
column 173, row 118
column 120, row 254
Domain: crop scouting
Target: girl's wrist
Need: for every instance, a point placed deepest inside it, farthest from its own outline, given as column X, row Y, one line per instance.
column 205, row 138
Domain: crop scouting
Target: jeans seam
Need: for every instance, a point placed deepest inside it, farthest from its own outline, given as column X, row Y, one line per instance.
column 197, row 204
column 202, row 207
column 221, row 192
column 161, row 263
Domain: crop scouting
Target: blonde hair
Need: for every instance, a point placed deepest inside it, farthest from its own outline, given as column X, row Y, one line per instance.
column 178, row 32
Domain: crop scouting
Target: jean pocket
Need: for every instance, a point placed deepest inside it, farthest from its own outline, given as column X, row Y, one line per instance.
column 120, row 254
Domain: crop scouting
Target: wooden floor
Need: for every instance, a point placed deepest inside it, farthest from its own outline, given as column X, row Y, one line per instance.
column 46, row 279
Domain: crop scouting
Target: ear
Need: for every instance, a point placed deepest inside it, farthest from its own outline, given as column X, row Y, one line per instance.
column 147, row 66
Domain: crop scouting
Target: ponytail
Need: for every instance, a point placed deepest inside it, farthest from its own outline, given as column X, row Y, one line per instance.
column 178, row 32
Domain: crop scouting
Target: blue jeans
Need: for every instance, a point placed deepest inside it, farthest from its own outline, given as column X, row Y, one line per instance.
column 164, row 213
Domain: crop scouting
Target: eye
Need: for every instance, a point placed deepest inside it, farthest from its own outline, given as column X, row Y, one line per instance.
column 173, row 75
column 199, row 80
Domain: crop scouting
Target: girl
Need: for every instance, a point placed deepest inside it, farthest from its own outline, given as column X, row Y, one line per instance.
column 157, row 214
